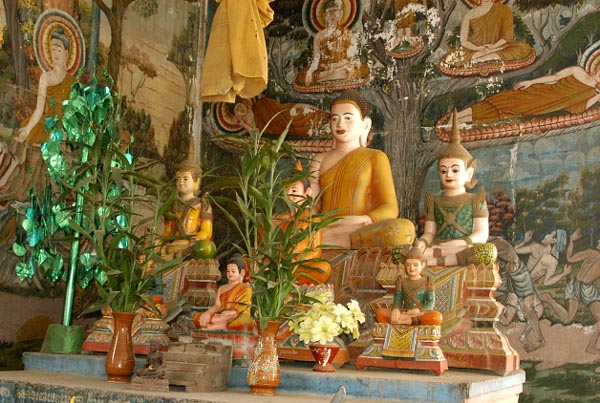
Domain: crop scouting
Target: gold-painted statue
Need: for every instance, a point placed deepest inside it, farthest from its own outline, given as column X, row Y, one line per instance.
column 356, row 182
column 314, row 272
column 191, row 217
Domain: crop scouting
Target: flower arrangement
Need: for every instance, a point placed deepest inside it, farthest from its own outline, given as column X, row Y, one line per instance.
column 326, row 320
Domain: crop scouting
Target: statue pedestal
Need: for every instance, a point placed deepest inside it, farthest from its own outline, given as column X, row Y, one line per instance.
column 202, row 276
column 195, row 280
column 418, row 348
column 481, row 345
column 470, row 338
column 143, row 330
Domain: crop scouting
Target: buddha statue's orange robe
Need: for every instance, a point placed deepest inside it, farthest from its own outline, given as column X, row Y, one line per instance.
column 361, row 183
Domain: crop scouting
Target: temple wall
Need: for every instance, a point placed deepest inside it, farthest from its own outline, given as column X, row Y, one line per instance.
column 539, row 173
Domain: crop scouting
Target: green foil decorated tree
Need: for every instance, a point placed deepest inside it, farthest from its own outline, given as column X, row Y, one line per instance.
column 85, row 225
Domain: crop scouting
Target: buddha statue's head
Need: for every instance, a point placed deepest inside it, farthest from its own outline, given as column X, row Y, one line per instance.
column 455, row 155
column 358, row 104
column 414, row 263
column 186, row 173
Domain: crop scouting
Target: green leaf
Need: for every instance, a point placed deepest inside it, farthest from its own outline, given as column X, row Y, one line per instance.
column 19, row 249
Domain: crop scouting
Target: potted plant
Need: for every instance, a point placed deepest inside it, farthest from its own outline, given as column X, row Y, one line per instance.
column 260, row 196
column 106, row 209
column 320, row 324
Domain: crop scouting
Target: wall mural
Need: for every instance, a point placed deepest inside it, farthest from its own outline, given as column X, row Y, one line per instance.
column 48, row 45
column 524, row 76
column 529, row 110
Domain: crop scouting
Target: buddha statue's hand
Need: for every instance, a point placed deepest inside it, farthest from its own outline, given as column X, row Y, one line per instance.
column 354, row 220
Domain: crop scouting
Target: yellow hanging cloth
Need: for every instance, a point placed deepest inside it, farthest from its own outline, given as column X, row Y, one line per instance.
column 236, row 61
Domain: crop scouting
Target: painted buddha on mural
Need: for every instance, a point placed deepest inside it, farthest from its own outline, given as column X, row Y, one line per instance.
column 487, row 43
column 356, row 182
column 336, row 62
column 562, row 100
column 405, row 43
column 272, row 117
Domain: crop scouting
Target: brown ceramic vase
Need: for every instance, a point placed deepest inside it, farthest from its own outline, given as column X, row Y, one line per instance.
column 264, row 373
column 324, row 355
column 120, row 359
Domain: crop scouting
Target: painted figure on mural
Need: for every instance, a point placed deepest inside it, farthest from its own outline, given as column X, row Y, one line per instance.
column 356, row 182
column 456, row 219
column 404, row 20
column 487, row 35
column 335, row 55
column 191, row 216
column 272, row 117
column 573, row 89
column 236, row 60
column 53, row 88
column 580, row 289
column 231, row 310
column 543, row 256
column 60, row 51
column 315, row 272
column 521, row 299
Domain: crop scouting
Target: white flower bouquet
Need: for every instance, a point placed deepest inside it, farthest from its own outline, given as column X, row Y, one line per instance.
column 326, row 320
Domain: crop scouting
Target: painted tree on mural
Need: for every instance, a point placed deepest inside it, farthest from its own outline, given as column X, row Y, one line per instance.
column 115, row 14
column 15, row 35
column 411, row 94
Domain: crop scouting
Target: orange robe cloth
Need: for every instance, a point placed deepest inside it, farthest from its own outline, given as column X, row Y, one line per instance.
column 567, row 94
column 360, row 183
column 55, row 95
column 236, row 60
column 238, row 299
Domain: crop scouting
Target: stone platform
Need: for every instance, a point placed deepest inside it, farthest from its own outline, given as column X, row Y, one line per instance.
column 82, row 376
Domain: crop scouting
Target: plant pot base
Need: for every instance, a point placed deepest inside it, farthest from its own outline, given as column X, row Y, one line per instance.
column 324, row 355
column 263, row 390
column 324, row 368
column 119, row 378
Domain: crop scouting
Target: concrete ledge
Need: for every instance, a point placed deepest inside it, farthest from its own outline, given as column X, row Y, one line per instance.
column 452, row 386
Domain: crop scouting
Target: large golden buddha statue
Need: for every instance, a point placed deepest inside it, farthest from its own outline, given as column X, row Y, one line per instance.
column 356, row 182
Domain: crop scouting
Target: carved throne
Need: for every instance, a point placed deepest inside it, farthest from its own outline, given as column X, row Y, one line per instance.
column 469, row 334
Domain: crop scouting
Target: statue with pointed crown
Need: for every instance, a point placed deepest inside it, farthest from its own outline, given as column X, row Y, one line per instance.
column 456, row 219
